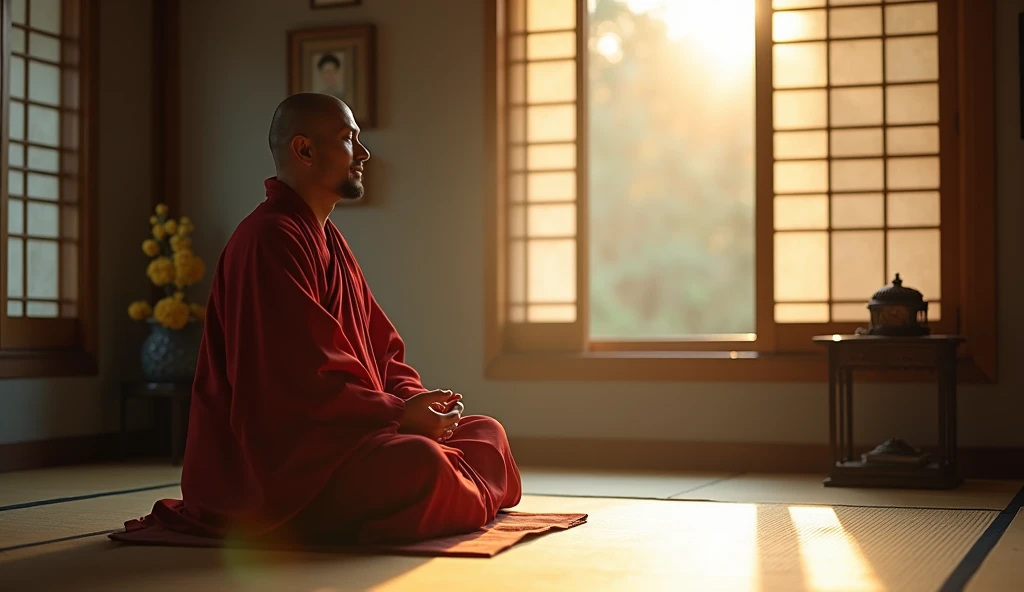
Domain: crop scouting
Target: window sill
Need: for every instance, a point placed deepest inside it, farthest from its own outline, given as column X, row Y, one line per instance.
column 677, row 366
column 47, row 364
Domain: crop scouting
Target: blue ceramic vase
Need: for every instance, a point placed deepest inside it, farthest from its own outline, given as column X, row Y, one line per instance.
column 170, row 355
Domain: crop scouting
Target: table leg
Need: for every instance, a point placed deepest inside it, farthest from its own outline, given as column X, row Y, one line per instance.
column 947, row 415
column 943, row 406
column 122, row 440
column 951, row 415
column 841, row 401
column 848, row 395
column 833, row 395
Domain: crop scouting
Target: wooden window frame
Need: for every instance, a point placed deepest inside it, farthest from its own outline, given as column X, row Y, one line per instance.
column 552, row 356
column 37, row 347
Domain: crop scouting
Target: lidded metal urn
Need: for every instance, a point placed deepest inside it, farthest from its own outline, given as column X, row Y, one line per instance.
column 897, row 310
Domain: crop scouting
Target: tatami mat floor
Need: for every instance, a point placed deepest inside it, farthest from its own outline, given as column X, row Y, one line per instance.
column 646, row 531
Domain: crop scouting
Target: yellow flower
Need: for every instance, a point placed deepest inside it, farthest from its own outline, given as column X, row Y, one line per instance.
column 171, row 226
column 150, row 247
column 185, row 220
column 185, row 228
column 153, row 220
column 161, row 210
column 196, row 271
column 179, row 296
column 189, row 269
column 198, row 311
column 139, row 310
column 180, row 243
column 161, row 271
column 171, row 313
column 159, row 231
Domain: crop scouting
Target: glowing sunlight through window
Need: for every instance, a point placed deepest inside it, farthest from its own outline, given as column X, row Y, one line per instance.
column 671, row 168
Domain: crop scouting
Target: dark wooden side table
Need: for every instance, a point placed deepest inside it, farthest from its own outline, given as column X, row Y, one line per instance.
column 848, row 353
column 177, row 394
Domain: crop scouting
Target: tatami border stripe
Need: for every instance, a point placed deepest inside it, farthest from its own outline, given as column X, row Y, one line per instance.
column 60, row 540
column 60, row 500
column 972, row 561
column 703, row 485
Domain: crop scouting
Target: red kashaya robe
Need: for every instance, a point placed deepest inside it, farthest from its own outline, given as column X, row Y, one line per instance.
column 299, row 391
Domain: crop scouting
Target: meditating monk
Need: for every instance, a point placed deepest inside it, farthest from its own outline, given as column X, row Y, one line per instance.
column 306, row 420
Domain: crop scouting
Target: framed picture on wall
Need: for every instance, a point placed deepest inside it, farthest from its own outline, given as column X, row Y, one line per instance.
column 333, row 3
column 341, row 61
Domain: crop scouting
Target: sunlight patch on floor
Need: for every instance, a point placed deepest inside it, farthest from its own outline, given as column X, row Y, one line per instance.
column 831, row 558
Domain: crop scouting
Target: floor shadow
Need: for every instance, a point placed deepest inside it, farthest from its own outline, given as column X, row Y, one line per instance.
column 911, row 548
column 101, row 564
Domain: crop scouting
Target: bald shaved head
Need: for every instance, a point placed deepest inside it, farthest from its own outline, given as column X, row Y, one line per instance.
column 314, row 140
column 304, row 114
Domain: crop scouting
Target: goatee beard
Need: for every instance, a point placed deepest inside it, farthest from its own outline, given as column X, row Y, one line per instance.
column 351, row 189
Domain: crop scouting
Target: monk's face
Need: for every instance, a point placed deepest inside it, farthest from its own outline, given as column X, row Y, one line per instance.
column 340, row 166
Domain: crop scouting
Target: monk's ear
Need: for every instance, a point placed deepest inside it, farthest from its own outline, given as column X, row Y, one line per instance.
column 302, row 148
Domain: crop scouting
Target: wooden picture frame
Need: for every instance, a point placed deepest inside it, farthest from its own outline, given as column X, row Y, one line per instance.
column 341, row 61
column 315, row 4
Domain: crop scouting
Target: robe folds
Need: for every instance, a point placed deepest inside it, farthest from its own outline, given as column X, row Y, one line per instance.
column 299, row 391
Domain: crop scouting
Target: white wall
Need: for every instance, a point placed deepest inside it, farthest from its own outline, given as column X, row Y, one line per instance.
column 421, row 244
column 55, row 408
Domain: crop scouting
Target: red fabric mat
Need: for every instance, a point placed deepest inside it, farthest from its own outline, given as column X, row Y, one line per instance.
column 504, row 531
